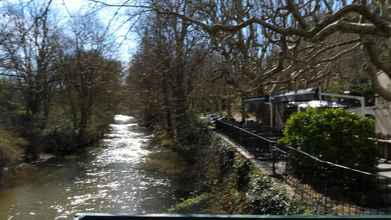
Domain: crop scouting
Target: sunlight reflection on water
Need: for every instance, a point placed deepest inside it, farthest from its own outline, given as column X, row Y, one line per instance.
column 107, row 179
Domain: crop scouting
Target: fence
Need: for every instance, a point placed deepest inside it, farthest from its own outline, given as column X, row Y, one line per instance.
column 325, row 187
column 384, row 148
column 92, row 216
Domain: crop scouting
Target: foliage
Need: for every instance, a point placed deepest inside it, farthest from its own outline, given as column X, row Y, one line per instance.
column 267, row 197
column 59, row 86
column 92, row 88
column 333, row 135
column 191, row 141
column 11, row 147
column 193, row 136
column 194, row 131
column 233, row 185
column 11, row 108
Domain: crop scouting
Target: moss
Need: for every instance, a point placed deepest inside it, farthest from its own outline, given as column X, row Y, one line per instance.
column 242, row 168
column 163, row 139
column 196, row 204
column 166, row 162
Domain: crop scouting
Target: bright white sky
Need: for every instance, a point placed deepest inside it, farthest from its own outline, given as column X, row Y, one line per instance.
column 125, row 37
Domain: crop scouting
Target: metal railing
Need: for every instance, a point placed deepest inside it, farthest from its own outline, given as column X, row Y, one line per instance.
column 384, row 148
column 323, row 186
column 91, row 216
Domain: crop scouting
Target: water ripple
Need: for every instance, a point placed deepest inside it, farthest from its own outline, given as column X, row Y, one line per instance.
column 109, row 180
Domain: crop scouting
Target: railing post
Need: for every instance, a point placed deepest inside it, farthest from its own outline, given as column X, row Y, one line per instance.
column 240, row 137
column 286, row 158
column 326, row 196
column 273, row 160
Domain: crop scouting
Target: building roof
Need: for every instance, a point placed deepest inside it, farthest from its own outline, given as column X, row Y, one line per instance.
column 257, row 99
column 292, row 96
column 297, row 96
column 317, row 104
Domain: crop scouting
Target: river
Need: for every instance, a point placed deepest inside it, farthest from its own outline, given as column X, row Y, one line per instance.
column 106, row 179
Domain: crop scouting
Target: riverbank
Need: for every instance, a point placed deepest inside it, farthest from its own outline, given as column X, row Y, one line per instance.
column 223, row 181
column 20, row 150
column 11, row 152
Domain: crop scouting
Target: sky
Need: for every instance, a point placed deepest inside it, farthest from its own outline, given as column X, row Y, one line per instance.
column 125, row 37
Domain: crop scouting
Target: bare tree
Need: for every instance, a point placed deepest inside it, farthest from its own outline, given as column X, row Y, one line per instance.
column 30, row 50
column 298, row 23
column 87, row 74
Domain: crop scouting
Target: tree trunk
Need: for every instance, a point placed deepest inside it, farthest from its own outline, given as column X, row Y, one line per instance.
column 83, row 125
column 179, row 88
column 180, row 99
column 167, row 106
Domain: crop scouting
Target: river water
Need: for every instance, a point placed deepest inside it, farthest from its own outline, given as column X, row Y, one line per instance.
column 106, row 179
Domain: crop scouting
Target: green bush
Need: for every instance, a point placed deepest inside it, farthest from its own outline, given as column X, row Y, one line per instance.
column 193, row 131
column 337, row 136
column 267, row 197
column 333, row 135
